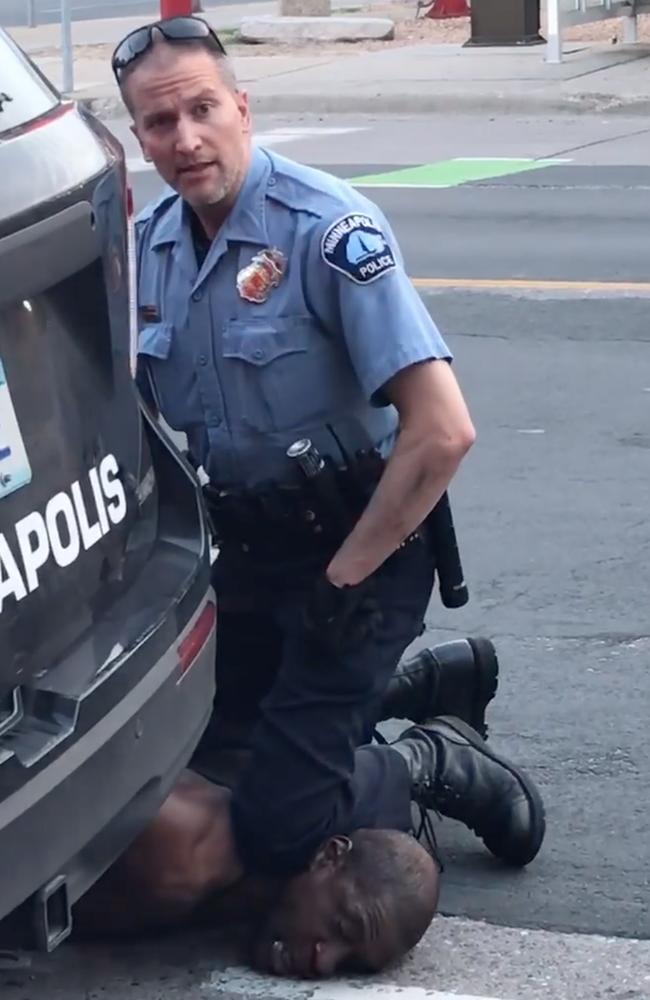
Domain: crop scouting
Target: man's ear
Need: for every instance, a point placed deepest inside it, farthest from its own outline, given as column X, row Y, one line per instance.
column 241, row 96
column 332, row 853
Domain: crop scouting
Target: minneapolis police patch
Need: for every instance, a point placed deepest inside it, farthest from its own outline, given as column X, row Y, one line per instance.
column 355, row 246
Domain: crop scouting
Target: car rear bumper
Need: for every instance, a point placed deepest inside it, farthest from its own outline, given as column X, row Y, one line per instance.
column 65, row 826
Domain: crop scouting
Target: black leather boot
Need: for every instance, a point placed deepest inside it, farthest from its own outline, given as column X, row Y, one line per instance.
column 456, row 678
column 455, row 773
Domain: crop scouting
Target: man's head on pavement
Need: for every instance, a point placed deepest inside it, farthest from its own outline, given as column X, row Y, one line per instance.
column 189, row 116
column 365, row 902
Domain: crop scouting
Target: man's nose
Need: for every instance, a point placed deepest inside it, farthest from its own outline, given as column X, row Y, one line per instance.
column 188, row 139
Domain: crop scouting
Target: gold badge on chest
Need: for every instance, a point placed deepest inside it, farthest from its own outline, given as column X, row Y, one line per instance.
column 265, row 271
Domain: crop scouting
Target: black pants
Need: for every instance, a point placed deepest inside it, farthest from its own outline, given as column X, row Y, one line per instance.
column 310, row 777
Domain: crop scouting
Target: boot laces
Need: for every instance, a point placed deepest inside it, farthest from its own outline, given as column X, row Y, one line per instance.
column 426, row 823
column 427, row 828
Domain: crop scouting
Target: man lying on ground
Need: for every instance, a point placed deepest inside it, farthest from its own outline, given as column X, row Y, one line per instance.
column 363, row 901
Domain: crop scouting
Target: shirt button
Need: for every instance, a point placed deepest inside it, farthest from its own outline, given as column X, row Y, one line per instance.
column 197, row 296
column 202, row 359
column 258, row 353
column 272, row 181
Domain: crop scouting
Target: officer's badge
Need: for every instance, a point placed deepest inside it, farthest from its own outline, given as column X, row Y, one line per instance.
column 356, row 247
column 265, row 271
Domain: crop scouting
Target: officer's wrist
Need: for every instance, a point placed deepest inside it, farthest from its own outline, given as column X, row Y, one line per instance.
column 343, row 573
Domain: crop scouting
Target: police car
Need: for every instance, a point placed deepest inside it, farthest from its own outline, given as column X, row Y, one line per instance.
column 107, row 619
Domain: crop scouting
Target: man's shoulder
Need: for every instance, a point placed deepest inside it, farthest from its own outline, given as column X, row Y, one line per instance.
column 315, row 192
column 155, row 211
column 344, row 229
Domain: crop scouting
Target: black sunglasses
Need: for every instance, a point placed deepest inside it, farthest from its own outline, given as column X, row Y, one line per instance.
column 173, row 29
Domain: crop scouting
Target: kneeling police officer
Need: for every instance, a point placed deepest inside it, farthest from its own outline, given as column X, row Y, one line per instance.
column 279, row 331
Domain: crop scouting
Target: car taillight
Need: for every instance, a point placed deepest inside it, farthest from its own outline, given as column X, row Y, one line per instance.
column 133, row 298
column 196, row 638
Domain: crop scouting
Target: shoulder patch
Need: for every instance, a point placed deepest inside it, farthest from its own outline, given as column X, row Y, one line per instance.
column 356, row 247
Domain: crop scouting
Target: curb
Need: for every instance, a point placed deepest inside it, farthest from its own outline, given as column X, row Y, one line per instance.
column 110, row 106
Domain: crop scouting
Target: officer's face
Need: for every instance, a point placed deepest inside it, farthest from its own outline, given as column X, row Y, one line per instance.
column 191, row 123
column 320, row 925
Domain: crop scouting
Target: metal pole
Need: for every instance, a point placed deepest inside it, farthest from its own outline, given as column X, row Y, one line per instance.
column 66, row 47
column 554, row 50
column 630, row 33
column 31, row 13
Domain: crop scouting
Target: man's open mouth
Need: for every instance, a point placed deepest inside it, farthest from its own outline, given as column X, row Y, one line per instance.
column 283, row 962
column 195, row 169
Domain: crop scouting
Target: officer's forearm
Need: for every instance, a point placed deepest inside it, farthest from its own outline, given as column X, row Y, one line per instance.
column 416, row 475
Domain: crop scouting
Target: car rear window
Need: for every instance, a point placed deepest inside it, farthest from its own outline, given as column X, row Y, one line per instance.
column 24, row 94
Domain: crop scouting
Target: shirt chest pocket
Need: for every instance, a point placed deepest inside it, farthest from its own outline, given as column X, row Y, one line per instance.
column 274, row 372
column 171, row 378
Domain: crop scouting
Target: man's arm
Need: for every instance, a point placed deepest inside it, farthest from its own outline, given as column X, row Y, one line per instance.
column 436, row 432
column 360, row 291
column 184, row 857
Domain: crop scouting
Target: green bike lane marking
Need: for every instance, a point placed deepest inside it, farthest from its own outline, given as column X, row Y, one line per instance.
column 452, row 173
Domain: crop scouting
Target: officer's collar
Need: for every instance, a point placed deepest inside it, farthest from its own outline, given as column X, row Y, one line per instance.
column 247, row 220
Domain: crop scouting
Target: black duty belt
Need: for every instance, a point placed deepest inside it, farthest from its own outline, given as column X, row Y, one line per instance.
column 266, row 522
column 278, row 521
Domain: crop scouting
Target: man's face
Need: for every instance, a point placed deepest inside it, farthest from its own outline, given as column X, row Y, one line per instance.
column 320, row 926
column 190, row 123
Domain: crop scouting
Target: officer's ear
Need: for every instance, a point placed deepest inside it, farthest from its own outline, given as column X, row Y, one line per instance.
column 241, row 97
column 332, row 854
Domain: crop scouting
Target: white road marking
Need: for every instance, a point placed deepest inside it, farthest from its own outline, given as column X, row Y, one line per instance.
column 241, row 982
column 275, row 136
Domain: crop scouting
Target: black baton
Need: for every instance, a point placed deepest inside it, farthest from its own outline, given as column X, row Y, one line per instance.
column 451, row 579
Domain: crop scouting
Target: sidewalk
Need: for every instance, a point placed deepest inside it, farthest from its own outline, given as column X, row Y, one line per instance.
column 377, row 78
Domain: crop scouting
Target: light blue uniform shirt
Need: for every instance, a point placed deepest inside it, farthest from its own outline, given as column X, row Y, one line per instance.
column 244, row 379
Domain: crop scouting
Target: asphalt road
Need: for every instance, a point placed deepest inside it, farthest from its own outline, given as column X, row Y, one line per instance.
column 552, row 514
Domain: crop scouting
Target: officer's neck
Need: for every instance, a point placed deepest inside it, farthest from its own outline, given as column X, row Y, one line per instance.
column 212, row 217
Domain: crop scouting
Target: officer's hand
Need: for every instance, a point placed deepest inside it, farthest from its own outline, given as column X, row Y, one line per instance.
column 342, row 617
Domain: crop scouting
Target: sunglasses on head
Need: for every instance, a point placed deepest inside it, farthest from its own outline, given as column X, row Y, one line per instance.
column 173, row 29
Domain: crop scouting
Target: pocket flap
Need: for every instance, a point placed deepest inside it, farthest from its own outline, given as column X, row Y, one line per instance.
column 263, row 343
column 155, row 340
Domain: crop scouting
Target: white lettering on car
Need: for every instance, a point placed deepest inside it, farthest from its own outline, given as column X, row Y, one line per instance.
column 60, row 510
column 112, row 489
column 67, row 524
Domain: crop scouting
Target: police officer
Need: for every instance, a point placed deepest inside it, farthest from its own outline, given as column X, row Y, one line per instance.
column 274, row 307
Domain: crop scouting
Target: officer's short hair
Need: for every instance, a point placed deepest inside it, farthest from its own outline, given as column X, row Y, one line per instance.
column 224, row 62
column 394, row 869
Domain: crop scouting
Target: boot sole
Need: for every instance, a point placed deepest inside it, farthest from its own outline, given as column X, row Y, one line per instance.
column 533, row 797
column 486, row 674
